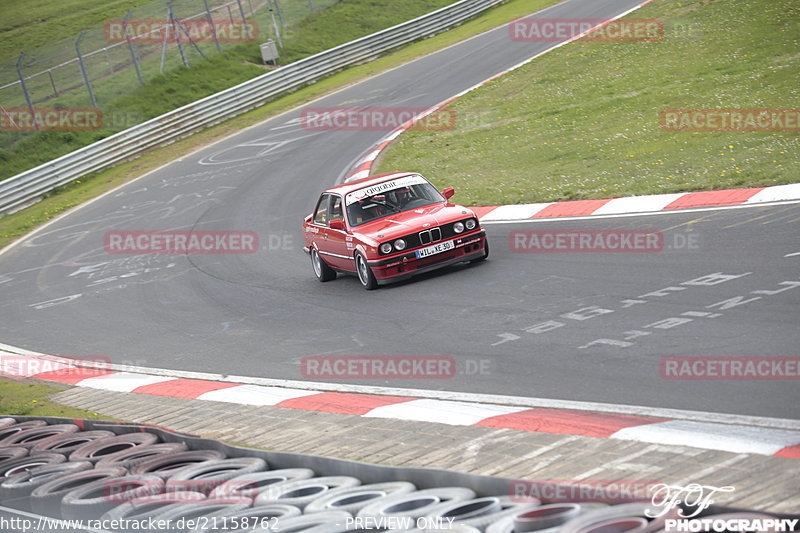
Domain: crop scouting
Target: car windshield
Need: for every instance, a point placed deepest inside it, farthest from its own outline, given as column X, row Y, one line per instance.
column 390, row 197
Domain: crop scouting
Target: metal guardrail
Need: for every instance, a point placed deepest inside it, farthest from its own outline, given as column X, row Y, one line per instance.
column 28, row 187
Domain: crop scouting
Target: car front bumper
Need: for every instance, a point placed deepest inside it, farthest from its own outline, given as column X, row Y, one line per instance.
column 467, row 248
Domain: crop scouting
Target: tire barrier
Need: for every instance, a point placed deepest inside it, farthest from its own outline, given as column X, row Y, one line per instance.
column 250, row 519
column 133, row 473
column 139, row 454
column 31, row 437
column 9, row 467
column 166, row 465
column 66, row 444
column 104, row 448
column 302, row 492
column 353, row 499
column 207, row 476
column 46, row 499
column 251, row 485
column 15, row 491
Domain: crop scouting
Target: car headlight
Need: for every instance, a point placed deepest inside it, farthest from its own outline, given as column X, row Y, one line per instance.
column 458, row 227
column 400, row 244
column 386, row 248
column 471, row 223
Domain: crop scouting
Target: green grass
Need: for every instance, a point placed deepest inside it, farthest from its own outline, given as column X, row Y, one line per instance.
column 340, row 23
column 33, row 399
column 18, row 224
column 28, row 24
column 583, row 121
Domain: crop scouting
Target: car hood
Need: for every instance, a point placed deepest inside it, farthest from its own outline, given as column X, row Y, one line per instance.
column 412, row 221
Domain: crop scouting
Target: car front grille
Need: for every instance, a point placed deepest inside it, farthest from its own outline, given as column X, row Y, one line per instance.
column 430, row 235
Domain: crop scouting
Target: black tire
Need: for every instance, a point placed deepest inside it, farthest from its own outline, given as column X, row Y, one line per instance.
column 482, row 512
column 94, row 499
column 353, row 499
column 485, row 253
column 31, row 437
column 365, row 275
column 301, row 493
column 102, row 448
column 321, row 269
column 67, row 444
column 46, row 499
column 167, row 465
column 139, row 454
column 251, row 519
column 150, row 506
column 251, row 485
column 184, row 513
column 11, row 467
column 12, row 452
column 10, row 429
column 326, row 522
column 415, row 504
column 15, row 491
column 206, row 477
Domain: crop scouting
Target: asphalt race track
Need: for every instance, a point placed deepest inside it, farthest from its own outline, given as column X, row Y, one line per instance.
column 260, row 314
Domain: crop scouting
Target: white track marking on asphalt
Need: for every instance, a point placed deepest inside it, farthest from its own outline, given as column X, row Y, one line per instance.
column 475, row 398
column 637, row 204
column 792, row 255
column 515, row 211
column 255, row 395
column 776, row 193
column 624, row 215
column 122, row 381
column 724, row 437
column 442, row 412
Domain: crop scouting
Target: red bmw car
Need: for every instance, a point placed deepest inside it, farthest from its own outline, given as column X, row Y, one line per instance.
column 390, row 227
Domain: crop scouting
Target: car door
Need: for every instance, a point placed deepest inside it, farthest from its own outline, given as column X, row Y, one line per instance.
column 341, row 256
column 330, row 243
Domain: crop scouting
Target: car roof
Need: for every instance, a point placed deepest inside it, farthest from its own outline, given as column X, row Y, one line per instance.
column 354, row 185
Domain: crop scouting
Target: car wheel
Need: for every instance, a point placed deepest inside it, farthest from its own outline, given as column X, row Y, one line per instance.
column 321, row 270
column 365, row 275
column 485, row 253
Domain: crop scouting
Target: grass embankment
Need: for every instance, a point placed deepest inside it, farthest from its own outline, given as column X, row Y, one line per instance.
column 34, row 23
column 18, row 224
column 340, row 23
column 33, row 399
column 583, row 121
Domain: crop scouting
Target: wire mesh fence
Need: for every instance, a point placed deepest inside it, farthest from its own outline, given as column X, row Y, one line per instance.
column 100, row 65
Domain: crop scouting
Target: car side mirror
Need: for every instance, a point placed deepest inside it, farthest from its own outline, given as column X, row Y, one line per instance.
column 448, row 192
column 338, row 224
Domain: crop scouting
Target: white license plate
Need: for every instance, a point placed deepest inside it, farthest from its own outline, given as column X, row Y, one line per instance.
column 435, row 249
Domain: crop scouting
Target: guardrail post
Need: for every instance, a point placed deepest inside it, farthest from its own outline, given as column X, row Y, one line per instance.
column 84, row 72
column 25, row 90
